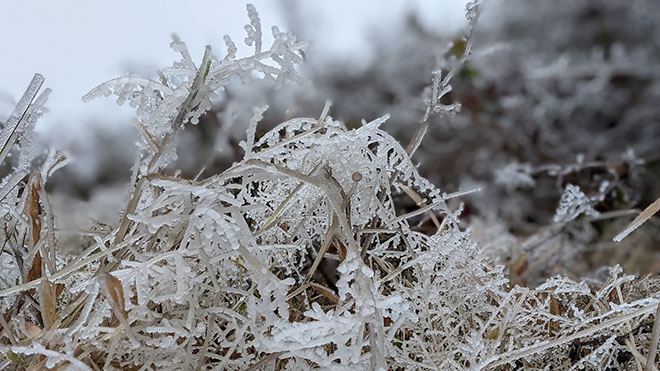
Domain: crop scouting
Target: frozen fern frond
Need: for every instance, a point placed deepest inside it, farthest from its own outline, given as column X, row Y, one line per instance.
column 573, row 203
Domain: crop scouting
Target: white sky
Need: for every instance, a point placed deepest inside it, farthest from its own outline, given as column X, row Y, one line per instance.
column 78, row 44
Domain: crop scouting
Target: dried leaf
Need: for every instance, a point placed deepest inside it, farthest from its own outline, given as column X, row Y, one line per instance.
column 517, row 270
column 116, row 292
column 493, row 334
column 557, row 310
column 32, row 331
column 48, row 303
column 32, row 206
column 35, row 270
column 58, row 289
column 555, row 307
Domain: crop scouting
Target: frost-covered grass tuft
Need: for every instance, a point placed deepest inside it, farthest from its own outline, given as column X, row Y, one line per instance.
column 302, row 255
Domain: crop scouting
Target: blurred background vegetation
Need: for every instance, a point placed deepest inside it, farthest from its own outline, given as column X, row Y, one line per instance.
column 555, row 93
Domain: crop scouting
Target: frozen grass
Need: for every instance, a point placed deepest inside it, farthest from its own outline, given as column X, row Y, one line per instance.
column 299, row 256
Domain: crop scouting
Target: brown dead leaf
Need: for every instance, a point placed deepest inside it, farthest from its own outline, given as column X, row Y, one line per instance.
column 517, row 270
column 32, row 331
column 32, row 206
column 555, row 307
column 58, row 289
column 557, row 310
column 32, row 209
column 493, row 334
column 35, row 270
column 116, row 291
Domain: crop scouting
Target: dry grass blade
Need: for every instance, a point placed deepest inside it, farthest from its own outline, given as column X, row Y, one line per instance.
column 630, row 341
column 420, row 202
column 271, row 221
column 325, row 292
column 48, row 303
column 639, row 220
column 136, row 191
column 31, row 330
column 541, row 346
column 72, row 267
column 434, row 205
column 11, row 130
column 324, row 248
column 264, row 361
column 655, row 338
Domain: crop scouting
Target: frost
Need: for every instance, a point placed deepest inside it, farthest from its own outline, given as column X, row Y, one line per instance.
column 304, row 254
column 251, row 130
column 574, row 203
column 184, row 91
column 515, row 175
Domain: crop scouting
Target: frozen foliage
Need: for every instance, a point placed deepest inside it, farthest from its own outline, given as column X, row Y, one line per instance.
column 515, row 175
column 572, row 204
column 184, row 91
column 299, row 256
column 564, row 90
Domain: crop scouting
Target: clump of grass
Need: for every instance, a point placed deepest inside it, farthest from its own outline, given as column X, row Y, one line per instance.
column 296, row 257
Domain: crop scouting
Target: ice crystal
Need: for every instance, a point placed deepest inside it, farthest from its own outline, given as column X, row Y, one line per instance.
column 574, row 203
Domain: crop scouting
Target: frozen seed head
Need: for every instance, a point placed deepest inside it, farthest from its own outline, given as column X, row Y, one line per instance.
column 357, row 176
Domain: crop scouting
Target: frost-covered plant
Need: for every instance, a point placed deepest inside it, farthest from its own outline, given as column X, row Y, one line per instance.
column 573, row 203
column 27, row 232
column 296, row 257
